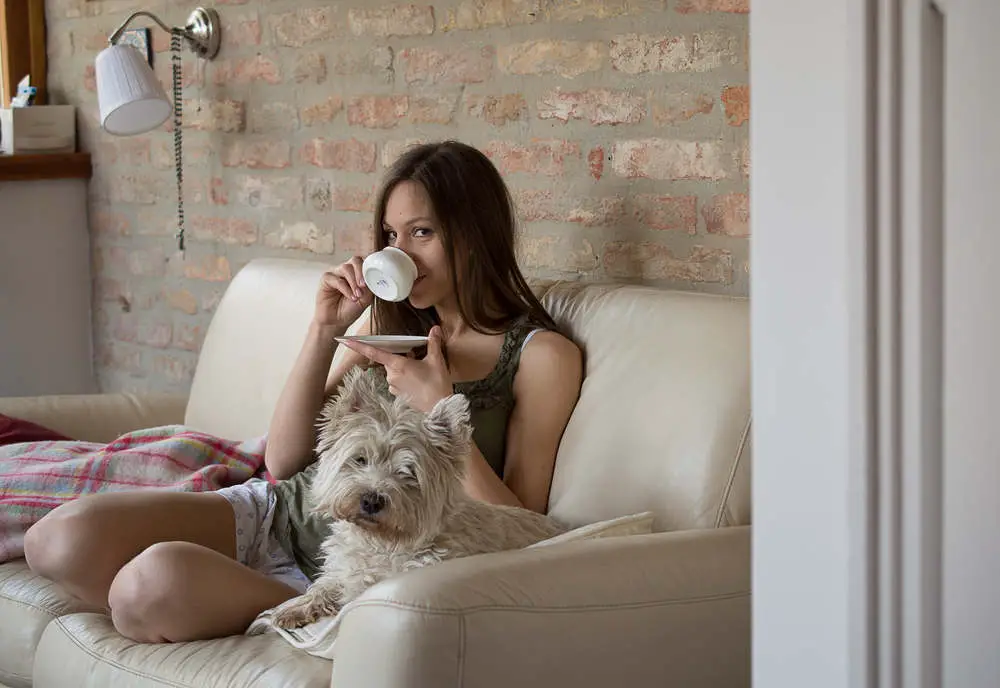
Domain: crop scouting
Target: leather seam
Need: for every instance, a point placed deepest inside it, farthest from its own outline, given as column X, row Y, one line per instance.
column 732, row 471
column 108, row 660
column 14, row 675
column 461, row 651
column 52, row 615
column 407, row 606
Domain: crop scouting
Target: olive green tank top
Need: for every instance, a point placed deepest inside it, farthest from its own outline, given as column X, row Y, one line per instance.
column 491, row 400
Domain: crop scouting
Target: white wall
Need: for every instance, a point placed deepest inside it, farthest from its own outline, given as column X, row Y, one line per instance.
column 45, row 289
column 808, row 333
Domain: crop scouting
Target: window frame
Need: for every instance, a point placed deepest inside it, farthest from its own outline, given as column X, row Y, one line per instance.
column 22, row 36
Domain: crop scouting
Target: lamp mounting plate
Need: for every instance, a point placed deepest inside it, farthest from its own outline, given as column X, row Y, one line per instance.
column 204, row 32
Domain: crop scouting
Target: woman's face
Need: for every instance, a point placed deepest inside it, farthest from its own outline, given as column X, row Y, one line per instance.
column 411, row 226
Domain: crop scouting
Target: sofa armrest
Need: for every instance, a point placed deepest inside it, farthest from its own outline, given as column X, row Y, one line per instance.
column 97, row 417
column 661, row 609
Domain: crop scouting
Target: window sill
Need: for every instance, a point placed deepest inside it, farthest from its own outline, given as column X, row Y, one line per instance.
column 20, row 167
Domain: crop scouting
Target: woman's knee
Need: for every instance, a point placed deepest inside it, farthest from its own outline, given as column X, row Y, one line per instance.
column 56, row 546
column 143, row 595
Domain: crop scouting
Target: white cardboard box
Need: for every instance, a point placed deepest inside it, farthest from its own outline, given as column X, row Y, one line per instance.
column 38, row 129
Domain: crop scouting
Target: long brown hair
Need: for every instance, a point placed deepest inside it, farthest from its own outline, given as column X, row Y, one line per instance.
column 477, row 227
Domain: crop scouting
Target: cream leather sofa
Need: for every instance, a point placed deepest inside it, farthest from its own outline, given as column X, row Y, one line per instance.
column 662, row 424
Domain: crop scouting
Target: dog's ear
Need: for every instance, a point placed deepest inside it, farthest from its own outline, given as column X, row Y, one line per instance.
column 357, row 391
column 449, row 427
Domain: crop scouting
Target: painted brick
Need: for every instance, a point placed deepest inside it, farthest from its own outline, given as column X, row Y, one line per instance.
column 196, row 152
column 353, row 198
column 433, row 109
column 377, row 112
column 176, row 367
column 699, row 52
column 192, row 73
column 318, row 193
column 698, row 6
column 355, row 237
column 120, row 357
column 269, row 192
column 742, row 157
column 666, row 213
column 302, row 236
column 90, row 78
column 391, row 150
column 376, row 62
column 651, row 261
column 481, row 14
column 206, row 268
column 597, row 105
column 350, row 155
column 559, row 253
column 498, row 110
column 188, row 337
column 108, row 223
column 272, row 117
column 181, row 300
column 322, row 112
column 431, row 66
column 271, row 154
column 680, row 106
column 140, row 190
column 546, row 157
column 215, row 115
column 146, row 262
column 304, row 26
column 728, row 214
column 564, row 58
column 246, row 70
column 309, row 67
column 238, row 30
column 669, row 159
column 580, row 10
column 736, row 100
column 595, row 162
column 227, row 230
column 536, row 205
column 395, row 20
column 154, row 334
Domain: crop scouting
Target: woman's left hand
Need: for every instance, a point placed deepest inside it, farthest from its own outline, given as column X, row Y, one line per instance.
column 422, row 383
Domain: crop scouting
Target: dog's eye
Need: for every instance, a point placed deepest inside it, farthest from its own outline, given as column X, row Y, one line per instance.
column 405, row 472
column 361, row 460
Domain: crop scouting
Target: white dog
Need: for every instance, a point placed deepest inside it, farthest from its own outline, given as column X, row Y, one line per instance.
column 390, row 477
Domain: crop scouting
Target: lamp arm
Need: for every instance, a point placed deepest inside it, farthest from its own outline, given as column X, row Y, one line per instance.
column 113, row 38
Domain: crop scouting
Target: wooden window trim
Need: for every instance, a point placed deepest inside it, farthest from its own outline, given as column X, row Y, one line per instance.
column 22, row 26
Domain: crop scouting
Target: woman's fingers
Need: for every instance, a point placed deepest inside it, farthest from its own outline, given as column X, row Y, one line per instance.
column 359, row 280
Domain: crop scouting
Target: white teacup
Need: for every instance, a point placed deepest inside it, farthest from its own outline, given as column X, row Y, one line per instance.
column 389, row 273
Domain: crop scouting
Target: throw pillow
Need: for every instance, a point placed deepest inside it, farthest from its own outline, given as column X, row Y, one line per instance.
column 17, row 430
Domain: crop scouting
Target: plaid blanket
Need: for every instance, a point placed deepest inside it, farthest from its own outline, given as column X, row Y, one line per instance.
column 36, row 477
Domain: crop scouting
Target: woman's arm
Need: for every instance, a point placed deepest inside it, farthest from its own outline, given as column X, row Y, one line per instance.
column 546, row 389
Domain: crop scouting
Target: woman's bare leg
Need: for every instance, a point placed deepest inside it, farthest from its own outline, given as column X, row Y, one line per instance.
column 178, row 591
column 84, row 543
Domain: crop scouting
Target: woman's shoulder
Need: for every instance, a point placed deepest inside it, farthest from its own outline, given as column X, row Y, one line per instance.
column 550, row 355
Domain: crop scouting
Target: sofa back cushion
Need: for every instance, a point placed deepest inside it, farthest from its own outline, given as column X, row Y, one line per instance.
column 250, row 346
column 658, row 427
column 662, row 423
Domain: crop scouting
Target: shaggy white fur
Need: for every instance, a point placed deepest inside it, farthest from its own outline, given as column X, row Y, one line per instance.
column 390, row 477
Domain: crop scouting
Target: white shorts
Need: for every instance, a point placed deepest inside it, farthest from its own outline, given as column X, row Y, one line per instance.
column 253, row 504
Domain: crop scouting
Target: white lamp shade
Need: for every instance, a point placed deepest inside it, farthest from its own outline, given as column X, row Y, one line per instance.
column 129, row 95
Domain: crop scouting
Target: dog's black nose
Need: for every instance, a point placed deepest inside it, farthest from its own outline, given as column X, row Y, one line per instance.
column 372, row 503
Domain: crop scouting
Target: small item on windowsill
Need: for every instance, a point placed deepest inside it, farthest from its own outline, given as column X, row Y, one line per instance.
column 25, row 94
column 38, row 129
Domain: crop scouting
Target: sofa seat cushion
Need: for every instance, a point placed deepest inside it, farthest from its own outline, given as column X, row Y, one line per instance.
column 87, row 645
column 27, row 604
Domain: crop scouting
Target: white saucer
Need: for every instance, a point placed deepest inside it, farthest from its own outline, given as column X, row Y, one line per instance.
column 394, row 344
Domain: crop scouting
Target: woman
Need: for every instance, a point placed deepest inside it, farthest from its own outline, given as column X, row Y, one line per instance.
column 183, row 566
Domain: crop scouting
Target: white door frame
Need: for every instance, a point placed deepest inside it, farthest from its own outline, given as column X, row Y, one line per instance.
column 847, row 349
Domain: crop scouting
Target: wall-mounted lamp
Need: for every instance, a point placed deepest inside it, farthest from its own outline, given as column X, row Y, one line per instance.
column 131, row 99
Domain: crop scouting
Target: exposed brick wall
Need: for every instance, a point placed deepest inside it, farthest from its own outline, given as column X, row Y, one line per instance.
column 620, row 125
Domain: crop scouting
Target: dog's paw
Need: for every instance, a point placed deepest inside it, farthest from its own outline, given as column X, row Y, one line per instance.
column 302, row 613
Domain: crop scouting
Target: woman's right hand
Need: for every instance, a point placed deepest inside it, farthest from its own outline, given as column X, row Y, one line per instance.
column 342, row 295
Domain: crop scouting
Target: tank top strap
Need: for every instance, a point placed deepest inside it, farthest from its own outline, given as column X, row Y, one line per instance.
column 498, row 387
